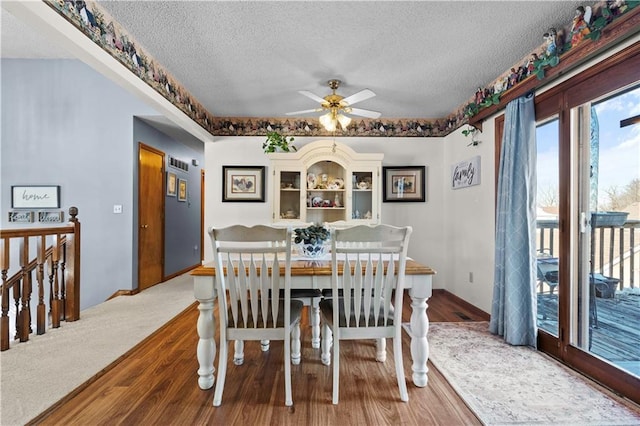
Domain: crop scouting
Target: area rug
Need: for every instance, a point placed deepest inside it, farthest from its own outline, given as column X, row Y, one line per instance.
column 514, row 385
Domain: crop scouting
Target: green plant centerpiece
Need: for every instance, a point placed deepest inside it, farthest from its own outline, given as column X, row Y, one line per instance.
column 311, row 240
column 277, row 142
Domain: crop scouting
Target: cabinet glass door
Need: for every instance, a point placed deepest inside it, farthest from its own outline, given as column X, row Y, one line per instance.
column 362, row 195
column 289, row 188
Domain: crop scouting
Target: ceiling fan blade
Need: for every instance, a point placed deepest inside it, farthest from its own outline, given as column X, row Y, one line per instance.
column 312, row 96
column 306, row 111
column 358, row 97
column 364, row 113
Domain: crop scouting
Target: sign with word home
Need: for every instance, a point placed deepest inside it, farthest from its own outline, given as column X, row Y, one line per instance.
column 466, row 173
column 35, row 197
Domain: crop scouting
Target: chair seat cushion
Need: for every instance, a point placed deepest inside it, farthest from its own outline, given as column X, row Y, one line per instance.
column 296, row 311
column 326, row 310
column 328, row 293
column 306, row 292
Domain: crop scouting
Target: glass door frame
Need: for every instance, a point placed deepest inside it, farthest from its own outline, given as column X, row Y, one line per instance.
column 613, row 73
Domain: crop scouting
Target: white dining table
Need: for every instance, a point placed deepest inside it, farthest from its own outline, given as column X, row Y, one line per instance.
column 314, row 274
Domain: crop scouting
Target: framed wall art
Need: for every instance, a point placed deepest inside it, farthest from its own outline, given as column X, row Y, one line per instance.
column 182, row 190
column 35, row 197
column 466, row 173
column 172, row 184
column 243, row 183
column 403, row 184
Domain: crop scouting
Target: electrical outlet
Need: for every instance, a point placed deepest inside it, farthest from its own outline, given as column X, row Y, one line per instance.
column 117, row 208
column 470, row 277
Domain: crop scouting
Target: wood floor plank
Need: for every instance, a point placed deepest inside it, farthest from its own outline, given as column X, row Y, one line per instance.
column 156, row 383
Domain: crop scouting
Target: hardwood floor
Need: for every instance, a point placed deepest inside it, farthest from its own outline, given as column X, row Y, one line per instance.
column 156, row 384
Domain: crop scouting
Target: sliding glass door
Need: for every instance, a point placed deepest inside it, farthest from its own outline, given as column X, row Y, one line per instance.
column 588, row 221
column 547, row 235
column 606, row 306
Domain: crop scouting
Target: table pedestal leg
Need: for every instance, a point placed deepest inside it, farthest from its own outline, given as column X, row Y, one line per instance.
column 206, row 351
column 419, row 343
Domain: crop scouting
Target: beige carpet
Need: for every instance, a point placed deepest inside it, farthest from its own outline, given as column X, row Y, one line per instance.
column 511, row 385
column 36, row 374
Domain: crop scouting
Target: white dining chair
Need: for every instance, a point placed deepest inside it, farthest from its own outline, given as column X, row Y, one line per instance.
column 252, row 264
column 368, row 264
column 309, row 297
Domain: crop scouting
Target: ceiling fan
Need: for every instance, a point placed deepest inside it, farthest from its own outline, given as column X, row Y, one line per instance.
column 337, row 106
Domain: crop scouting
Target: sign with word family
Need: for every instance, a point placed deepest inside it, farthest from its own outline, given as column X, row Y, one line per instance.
column 466, row 173
column 35, row 197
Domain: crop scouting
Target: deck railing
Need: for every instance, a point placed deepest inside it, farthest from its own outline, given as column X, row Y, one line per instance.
column 55, row 262
column 616, row 249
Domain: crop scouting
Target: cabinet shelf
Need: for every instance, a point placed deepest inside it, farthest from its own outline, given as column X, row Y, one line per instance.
column 325, row 208
column 325, row 190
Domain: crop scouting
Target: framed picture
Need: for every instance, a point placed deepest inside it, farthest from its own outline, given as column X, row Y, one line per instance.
column 182, row 190
column 35, row 197
column 243, row 183
column 172, row 184
column 466, row 173
column 403, row 184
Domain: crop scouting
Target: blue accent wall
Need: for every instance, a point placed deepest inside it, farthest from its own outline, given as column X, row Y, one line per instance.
column 182, row 219
column 65, row 124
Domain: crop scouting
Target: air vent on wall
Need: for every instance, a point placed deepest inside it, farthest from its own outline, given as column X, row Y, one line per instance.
column 174, row 162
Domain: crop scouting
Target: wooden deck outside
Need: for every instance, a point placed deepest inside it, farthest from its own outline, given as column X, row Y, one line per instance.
column 615, row 335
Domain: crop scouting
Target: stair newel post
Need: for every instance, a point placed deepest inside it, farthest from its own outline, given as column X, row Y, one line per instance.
column 41, row 309
column 4, row 322
column 55, row 305
column 72, row 276
column 24, row 317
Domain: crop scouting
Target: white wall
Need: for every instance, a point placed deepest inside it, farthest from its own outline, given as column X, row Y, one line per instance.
column 428, row 238
column 469, row 221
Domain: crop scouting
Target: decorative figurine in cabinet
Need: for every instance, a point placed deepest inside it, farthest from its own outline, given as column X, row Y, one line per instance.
column 325, row 181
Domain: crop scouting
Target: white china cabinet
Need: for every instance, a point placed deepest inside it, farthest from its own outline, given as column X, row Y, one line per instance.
column 325, row 181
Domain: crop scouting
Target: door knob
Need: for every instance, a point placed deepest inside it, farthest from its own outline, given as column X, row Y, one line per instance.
column 144, row 226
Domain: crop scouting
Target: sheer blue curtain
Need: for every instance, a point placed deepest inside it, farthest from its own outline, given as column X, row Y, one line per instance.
column 513, row 312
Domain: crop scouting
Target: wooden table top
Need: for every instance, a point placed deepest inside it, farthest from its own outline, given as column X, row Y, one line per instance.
column 317, row 267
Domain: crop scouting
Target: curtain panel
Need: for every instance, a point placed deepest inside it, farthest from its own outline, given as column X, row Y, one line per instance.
column 513, row 311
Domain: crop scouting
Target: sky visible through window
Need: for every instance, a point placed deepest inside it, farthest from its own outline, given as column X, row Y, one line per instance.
column 619, row 161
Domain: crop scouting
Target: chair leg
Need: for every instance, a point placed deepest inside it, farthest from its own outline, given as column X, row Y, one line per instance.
column 326, row 344
column 381, row 350
column 288, row 399
column 222, row 373
column 238, row 356
column 295, row 344
column 314, row 319
column 264, row 345
column 397, row 357
column 336, row 370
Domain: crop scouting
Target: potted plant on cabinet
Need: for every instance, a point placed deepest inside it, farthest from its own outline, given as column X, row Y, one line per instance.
column 311, row 239
column 276, row 142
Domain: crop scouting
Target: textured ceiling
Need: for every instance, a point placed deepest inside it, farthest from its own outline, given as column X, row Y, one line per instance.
column 423, row 59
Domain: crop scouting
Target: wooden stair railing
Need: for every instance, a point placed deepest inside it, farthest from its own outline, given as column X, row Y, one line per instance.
column 59, row 264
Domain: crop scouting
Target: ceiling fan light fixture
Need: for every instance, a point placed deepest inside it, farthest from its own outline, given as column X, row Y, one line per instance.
column 328, row 121
column 343, row 120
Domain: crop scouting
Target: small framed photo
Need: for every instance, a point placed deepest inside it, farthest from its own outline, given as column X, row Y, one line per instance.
column 243, row 183
column 403, row 184
column 182, row 190
column 35, row 197
column 172, row 184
